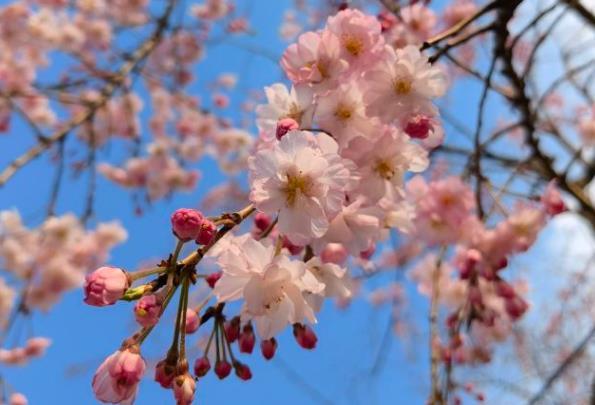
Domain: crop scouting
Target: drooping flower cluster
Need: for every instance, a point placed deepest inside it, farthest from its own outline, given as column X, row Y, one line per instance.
column 471, row 283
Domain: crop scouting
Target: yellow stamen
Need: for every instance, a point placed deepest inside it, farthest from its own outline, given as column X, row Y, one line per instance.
column 295, row 186
column 385, row 169
column 343, row 112
column 402, row 86
column 353, row 45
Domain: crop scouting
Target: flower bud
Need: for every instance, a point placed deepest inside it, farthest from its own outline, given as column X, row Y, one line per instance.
column 505, row 290
column 516, row 307
column 268, row 348
column 334, row 253
column 552, row 200
column 116, row 380
column 105, row 286
column 202, row 365
column 293, row 249
column 184, row 388
column 192, row 321
column 242, row 371
column 207, row 231
column 368, row 253
column 305, row 336
column 418, row 127
column 213, row 278
column 186, row 223
column 285, row 125
column 262, row 221
column 222, row 369
column 232, row 329
column 147, row 310
column 247, row 339
column 165, row 373
column 469, row 261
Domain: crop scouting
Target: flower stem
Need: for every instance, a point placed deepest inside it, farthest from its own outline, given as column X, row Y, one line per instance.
column 185, row 288
column 137, row 275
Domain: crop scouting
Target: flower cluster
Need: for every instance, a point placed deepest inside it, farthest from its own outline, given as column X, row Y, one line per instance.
column 327, row 178
column 471, row 284
column 348, row 132
column 54, row 257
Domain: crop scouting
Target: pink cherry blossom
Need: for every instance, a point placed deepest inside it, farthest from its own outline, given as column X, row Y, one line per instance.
column 116, row 380
column 403, row 79
column 359, row 36
column 302, row 179
column 315, row 60
column 270, row 285
column 281, row 103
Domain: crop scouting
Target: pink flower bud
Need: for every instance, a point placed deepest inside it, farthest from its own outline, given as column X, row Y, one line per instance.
column 17, row 399
column 232, row 329
column 552, row 200
column 116, row 380
column 305, row 336
column 293, row 249
column 470, row 260
column 186, row 223
column 213, row 278
column 222, row 369
column 504, row 290
column 105, row 286
column 35, row 347
column 207, row 231
column 247, row 339
column 184, row 389
column 242, row 371
column 202, row 365
column 368, row 253
column 418, row 127
column 221, row 100
column 268, row 348
column 192, row 321
column 147, row 310
column 165, row 373
column 516, row 307
column 334, row 253
column 262, row 221
column 285, row 125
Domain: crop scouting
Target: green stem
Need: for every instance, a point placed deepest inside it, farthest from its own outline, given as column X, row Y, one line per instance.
column 233, row 359
column 218, row 356
column 137, row 275
column 173, row 350
column 185, row 289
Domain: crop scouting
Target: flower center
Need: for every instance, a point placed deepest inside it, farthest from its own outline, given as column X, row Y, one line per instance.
column 402, row 86
column 323, row 68
column 296, row 185
column 295, row 113
column 385, row 169
column 353, row 45
column 343, row 112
